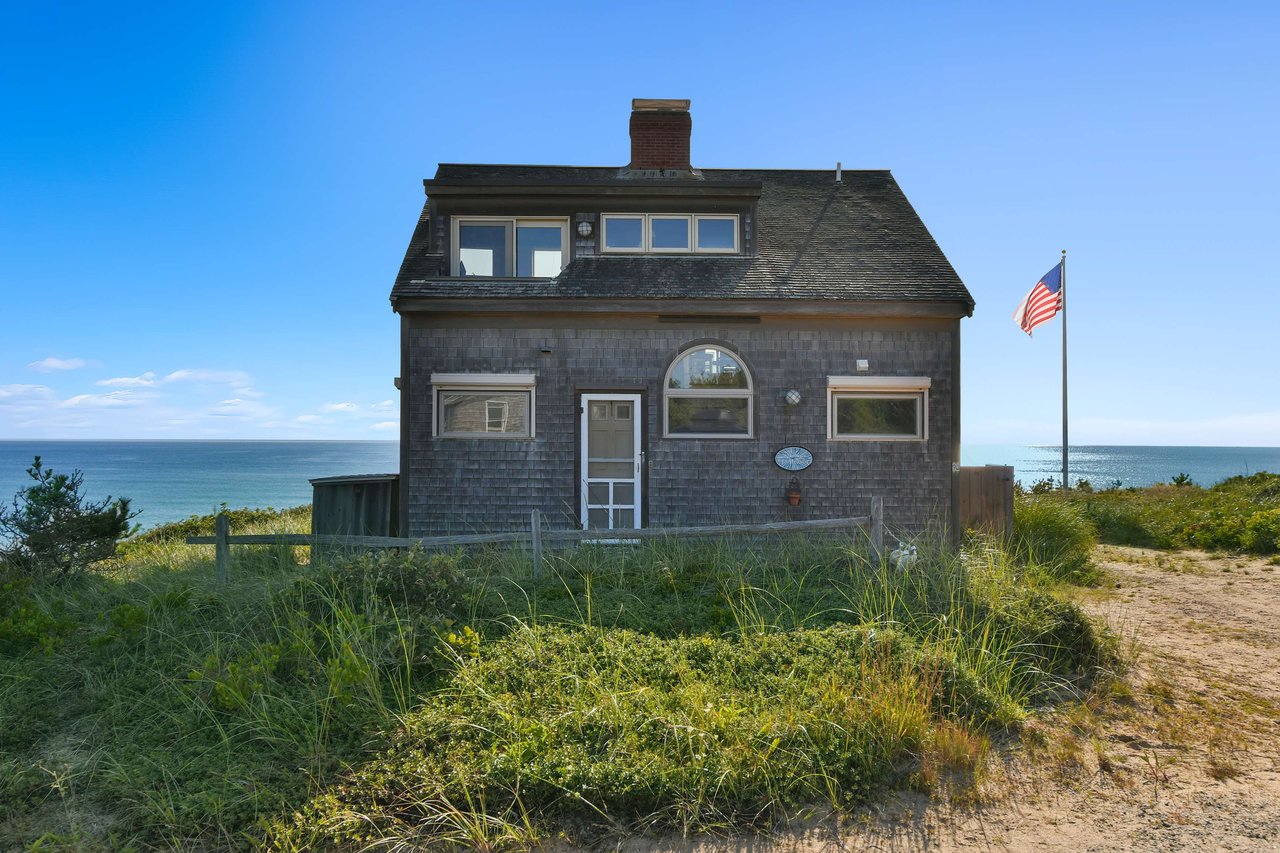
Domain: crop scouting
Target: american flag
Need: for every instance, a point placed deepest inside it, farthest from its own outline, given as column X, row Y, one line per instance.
column 1044, row 300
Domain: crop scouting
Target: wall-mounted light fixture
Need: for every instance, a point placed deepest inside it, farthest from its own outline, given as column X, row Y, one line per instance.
column 863, row 365
column 584, row 229
column 792, row 397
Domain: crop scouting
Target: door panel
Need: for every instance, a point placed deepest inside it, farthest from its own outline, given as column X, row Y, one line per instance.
column 611, row 460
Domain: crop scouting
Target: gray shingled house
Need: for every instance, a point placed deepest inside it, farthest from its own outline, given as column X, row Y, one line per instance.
column 657, row 345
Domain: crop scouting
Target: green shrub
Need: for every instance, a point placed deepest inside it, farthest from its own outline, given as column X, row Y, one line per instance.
column 1057, row 536
column 53, row 532
column 27, row 622
column 1262, row 531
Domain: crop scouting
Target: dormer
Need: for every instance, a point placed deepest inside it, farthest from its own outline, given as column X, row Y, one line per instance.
column 530, row 222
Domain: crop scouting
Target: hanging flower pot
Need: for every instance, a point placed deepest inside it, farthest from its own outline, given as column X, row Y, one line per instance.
column 793, row 491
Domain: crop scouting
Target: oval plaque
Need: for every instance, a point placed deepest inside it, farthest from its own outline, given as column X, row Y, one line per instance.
column 793, row 458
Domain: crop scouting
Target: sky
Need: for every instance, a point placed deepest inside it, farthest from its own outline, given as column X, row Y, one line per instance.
column 203, row 207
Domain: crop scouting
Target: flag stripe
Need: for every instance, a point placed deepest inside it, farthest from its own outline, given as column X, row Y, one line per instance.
column 1042, row 303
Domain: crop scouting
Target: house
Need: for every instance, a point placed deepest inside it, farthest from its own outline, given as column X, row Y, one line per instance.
column 660, row 345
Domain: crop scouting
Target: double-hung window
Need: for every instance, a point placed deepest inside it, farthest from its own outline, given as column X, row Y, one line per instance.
column 707, row 394
column 670, row 233
column 503, row 248
column 878, row 408
column 483, row 405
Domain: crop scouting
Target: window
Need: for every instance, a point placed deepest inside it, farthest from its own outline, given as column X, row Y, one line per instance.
column 878, row 408
column 707, row 394
column 480, row 405
column 624, row 233
column 525, row 248
column 670, row 233
column 717, row 233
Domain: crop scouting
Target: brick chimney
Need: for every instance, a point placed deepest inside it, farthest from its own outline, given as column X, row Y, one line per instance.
column 660, row 130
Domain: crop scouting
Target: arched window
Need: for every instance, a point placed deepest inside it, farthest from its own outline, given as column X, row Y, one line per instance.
column 707, row 394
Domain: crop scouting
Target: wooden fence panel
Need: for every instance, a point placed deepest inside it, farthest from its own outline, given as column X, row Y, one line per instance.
column 986, row 499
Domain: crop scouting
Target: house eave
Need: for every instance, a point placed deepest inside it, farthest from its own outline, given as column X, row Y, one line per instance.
column 744, row 191
column 686, row 307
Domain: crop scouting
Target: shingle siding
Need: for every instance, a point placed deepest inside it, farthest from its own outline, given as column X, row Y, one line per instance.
column 483, row 484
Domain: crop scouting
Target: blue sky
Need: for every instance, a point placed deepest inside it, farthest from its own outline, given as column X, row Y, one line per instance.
column 202, row 207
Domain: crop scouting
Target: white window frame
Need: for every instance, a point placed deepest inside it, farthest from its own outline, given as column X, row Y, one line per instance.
column 687, row 219
column 514, row 222
column 483, row 383
column 733, row 217
column 646, row 233
column 704, row 393
column 879, row 388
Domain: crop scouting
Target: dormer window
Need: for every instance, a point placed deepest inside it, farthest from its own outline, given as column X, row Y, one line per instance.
column 506, row 247
column 670, row 233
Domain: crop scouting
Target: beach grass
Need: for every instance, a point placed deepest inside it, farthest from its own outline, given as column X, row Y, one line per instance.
column 455, row 699
column 1240, row 514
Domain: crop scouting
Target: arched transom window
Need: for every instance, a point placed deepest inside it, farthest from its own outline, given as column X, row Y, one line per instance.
column 707, row 394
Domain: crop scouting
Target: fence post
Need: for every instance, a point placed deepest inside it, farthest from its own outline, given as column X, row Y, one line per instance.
column 877, row 528
column 221, row 547
column 535, row 523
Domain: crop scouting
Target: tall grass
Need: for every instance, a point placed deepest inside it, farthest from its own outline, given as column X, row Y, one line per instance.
column 1056, row 535
column 429, row 700
column 707, row 687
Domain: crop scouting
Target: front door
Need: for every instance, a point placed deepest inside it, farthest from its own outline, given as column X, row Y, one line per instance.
column 611, row 461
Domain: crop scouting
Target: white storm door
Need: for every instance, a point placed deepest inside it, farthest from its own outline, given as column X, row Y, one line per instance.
column 611, row 461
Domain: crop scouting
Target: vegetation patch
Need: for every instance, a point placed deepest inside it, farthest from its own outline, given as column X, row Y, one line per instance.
column 457, row 699
column 1239, row 514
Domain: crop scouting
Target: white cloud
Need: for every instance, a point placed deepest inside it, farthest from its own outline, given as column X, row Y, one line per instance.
column 113, row 399
column 383, row 426
column 13, row 392
column 1254, row 429
column 209, row 377
column 241, row 408
column 385, row 406
column 311, row 419
column 50, row 364
column 144, row 381
column 339, row 407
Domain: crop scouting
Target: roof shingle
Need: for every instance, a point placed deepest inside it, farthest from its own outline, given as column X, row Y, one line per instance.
column 858, row 240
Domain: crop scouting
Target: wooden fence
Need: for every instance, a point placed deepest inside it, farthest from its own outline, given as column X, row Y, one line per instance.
column 986, row 499
column 222, row 540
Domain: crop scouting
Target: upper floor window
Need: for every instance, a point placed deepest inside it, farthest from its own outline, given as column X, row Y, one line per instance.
column 665, row 233
column 707, row 394
column 502, row 247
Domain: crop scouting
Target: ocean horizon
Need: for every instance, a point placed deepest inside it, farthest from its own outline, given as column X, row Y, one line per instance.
column 171, row 479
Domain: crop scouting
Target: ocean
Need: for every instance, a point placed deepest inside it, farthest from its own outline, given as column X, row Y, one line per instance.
column 1102, row 465
column 170, row 480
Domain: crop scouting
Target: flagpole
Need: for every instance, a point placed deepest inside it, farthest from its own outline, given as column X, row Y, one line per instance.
column 1063, row 290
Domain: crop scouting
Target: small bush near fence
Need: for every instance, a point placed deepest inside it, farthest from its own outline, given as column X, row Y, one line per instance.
column 1056, row 535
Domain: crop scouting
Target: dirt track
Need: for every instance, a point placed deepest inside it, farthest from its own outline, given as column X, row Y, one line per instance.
column 1187, row 758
